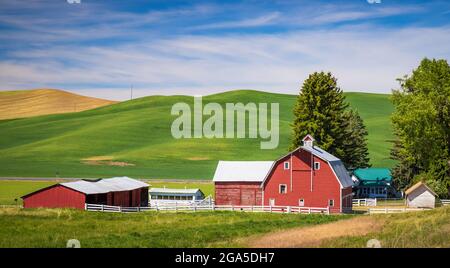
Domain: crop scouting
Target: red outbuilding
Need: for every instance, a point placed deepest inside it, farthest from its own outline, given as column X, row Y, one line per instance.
column 306, row 177
column 119, row 191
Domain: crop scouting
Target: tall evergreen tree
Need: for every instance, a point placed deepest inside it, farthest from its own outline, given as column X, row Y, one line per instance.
column 356, row 153
column 321, row 111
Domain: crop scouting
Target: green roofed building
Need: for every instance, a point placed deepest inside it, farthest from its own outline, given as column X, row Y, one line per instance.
column 373, row 183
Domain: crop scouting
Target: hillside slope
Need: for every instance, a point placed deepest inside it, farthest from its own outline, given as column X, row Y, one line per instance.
column 26, row 103
column 133, row 138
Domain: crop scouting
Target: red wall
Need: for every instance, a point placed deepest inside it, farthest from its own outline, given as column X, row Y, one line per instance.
column 125, row 199
column 238, row 193
column 55, row 197
column 325, row 185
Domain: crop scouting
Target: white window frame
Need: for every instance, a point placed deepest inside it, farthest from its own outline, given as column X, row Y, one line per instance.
column 316, row 165
column 331, row 202
column 301, row 202
column 285, row 188
column 272, row 202
column 286, row 165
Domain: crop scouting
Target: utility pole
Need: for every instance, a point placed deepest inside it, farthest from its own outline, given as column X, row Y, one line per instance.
column 131, row 89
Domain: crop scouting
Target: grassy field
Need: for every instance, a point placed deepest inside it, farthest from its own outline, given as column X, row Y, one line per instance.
column 405, row 230
column 11, row 190
column 53, row 227
column 26, row 103
column 133, row 139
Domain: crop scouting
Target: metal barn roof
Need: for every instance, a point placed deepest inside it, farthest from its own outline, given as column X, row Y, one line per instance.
column 321, row 153
column 102, row 186
column 341, row 173
column 245, row 171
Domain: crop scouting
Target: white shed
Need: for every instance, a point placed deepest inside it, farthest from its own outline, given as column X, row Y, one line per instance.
column 420, row 196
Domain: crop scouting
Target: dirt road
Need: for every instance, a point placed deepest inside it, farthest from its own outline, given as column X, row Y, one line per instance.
column 313, row 236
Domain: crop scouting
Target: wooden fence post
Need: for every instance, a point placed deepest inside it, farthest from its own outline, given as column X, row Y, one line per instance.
column 103, row 207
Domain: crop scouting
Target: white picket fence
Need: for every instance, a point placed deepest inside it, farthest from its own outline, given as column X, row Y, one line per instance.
column 393, row 210
column 365, row 202
column 194, row 207
column 445, row 202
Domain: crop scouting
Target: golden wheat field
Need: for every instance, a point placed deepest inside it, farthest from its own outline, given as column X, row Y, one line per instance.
column 26, row 103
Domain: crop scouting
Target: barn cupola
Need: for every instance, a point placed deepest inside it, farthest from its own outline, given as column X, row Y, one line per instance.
column 308, row 141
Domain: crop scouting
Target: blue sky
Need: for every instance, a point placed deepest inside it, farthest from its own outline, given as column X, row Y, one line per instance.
column 101, row 48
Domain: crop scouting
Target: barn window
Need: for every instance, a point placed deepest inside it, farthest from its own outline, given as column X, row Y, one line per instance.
column 283, row 188
column 316, row 165
column 272, row 202
column 301, row 202
column 286, row 165
column 331, row 202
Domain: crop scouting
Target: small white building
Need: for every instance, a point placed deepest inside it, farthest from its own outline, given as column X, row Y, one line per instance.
column 420, row 196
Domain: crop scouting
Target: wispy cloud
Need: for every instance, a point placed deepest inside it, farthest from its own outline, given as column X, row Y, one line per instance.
column 263, row 20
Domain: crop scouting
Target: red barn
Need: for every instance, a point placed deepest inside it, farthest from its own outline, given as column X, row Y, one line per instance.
column 120, row 191
column 307, row 176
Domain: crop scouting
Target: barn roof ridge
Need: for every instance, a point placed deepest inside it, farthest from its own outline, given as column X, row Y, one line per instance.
column 102, row 186
column 416, row 186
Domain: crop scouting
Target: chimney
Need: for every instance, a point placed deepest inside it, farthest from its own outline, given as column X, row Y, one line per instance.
column 308, row 141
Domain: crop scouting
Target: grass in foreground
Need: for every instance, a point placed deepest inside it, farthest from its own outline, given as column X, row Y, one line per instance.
column 53, row 227
column 405, row 230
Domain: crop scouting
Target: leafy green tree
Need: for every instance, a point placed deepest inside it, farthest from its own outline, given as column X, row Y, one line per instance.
column 421, row 123
column 321, row 111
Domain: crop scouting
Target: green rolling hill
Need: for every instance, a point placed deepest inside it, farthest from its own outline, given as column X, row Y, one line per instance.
column 133, row 138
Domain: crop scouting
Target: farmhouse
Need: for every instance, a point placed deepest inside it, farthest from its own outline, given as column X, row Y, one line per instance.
column 118, row 191
column 420, row 196
column 308, row 176
column 373, row 183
